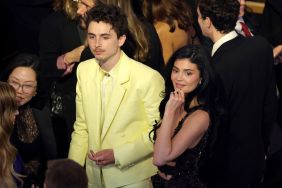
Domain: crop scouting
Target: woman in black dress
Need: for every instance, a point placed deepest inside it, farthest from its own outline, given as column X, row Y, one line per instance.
column 189, row 113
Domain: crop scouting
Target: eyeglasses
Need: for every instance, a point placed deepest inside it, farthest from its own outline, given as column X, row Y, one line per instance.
column 26, row 88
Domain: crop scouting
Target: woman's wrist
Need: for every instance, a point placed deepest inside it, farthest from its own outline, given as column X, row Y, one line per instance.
column 61, row 65
column 67, row 60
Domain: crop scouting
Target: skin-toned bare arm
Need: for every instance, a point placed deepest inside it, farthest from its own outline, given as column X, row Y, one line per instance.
column 74, row 55
column 277, row 53
column 194, row 127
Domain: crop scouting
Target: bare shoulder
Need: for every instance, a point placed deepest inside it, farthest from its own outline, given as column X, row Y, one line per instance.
column 199, row 117
column 161, row 26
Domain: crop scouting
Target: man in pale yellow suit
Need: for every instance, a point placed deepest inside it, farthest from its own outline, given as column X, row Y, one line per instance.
column 116, row 105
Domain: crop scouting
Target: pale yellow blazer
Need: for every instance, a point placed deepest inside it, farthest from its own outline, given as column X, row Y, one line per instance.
column 131, row 113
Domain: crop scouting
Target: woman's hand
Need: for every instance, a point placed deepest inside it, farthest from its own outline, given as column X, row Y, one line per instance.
column 166, row 176
column 74, row 55
column 176, row 101
column 277, row 53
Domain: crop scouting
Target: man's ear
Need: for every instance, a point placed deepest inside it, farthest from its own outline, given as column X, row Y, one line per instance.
column 208, row 22
column 121, row 40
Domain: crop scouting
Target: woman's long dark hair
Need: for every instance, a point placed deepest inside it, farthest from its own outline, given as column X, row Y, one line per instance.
column 204, row 90
column 208, row 94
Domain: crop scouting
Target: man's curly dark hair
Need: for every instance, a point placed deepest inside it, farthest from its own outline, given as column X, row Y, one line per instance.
column 223, row 13
column 109, row 14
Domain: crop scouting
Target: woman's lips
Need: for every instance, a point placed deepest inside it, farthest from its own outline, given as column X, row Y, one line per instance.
column 179, row 85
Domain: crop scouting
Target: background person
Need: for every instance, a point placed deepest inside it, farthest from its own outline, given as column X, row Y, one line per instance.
column 173, row 22
column 8, row 112
column 241, row 63
column 61, row 41
column 33, row 133
column 57, row 177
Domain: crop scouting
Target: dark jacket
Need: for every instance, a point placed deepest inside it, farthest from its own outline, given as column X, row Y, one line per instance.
column 245, row 67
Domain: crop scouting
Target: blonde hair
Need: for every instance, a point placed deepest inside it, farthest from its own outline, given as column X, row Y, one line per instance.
column 8, row 107
column 136, row 28
column 69, row 7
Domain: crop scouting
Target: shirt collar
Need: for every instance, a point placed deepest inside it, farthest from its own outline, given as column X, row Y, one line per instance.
column 114, row 71
column 238, row 26
column 229, row 36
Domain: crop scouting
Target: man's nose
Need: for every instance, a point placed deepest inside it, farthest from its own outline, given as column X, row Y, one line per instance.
column 98, row 42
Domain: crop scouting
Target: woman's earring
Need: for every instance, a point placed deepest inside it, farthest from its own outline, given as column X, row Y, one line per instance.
column 200, row 82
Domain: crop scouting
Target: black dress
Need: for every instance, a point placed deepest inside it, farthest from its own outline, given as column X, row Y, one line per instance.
column 186, row 170
column 34, row 139
column 27, row 139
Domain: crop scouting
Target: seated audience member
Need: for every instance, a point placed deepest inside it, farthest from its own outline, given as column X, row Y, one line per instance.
column 65, row 173
column 33, row 133
column 8, row 112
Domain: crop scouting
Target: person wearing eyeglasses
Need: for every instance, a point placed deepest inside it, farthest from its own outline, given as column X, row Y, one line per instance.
column 33, row 132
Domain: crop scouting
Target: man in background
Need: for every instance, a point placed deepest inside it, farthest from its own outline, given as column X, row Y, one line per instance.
column 245, row 67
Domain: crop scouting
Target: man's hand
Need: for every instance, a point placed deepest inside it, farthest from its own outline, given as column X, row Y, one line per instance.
column 103, row 157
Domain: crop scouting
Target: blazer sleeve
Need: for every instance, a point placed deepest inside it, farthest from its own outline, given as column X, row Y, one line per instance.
column 79, row 142
column 270, row 99
column 141, row 148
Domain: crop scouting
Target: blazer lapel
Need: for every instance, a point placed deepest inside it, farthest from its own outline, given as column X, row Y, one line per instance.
column 118, row 93
column 94, row 105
